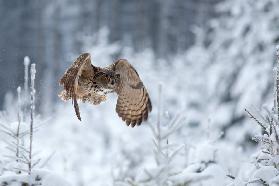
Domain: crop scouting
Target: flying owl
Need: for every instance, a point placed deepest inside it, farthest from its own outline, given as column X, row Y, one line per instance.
column 83, row 81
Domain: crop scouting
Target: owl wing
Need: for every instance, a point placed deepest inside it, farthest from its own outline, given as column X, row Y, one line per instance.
column 80, row 68
column 133, row 103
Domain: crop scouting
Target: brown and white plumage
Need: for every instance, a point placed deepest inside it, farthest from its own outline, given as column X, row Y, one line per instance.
column 83, row 81
column 133, row 103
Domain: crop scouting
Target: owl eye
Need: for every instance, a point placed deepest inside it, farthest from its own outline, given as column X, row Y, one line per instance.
column 117, row 76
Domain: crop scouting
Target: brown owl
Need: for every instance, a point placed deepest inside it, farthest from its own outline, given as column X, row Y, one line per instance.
column 85, row 82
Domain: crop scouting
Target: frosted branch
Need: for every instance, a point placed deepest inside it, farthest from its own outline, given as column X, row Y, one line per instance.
column 26, row 67
column 19, row 123
column 26, row 85
column 32, row 110
column 277, row 81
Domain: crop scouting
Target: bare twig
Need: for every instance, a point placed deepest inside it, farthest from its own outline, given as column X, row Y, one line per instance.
column 6, row 128
column 173, row 154
column 254, row 118
column 47, row 160
column 36, row 163
column 8, row 133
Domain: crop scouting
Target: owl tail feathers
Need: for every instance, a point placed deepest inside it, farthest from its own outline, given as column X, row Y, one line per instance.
column 65, row 96
column 76, row 108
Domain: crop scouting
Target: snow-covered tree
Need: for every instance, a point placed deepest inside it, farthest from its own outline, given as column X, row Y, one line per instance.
column 239, row 54
column 19, row 159
column 264, row 166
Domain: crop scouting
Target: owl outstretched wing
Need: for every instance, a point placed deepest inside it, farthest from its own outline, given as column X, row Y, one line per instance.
column 83, row 81
column 80, row 83
column 133, row 103
column 81, row 69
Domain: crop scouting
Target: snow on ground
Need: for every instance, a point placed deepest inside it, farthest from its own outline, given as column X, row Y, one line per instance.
column 38, row 177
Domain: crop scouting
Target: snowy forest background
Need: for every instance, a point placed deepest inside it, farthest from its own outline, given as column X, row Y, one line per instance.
column 203, row 61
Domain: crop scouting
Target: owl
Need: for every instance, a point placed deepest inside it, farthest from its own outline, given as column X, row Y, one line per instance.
column 88, row 83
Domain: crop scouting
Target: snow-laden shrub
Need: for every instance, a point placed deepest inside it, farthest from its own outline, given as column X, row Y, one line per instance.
column 264, row 166
column 18, row 158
